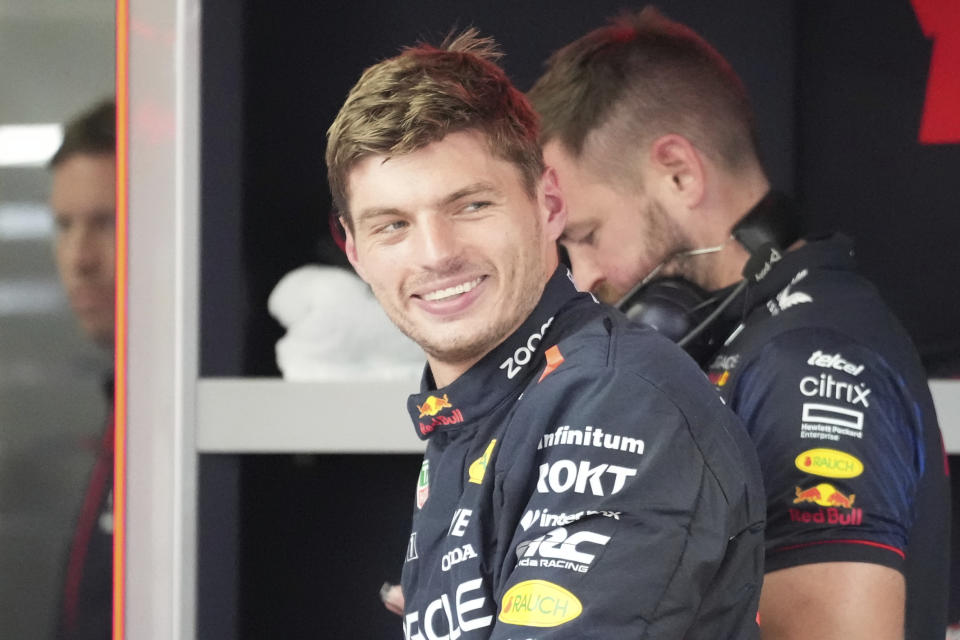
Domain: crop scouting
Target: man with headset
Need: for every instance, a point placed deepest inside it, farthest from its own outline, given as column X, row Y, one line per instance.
column 672, row 218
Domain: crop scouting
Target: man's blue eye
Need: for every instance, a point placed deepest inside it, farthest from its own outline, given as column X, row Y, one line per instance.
column 391, row 227
column 477, row 206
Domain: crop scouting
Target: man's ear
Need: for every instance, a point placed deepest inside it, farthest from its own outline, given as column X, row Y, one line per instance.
column 350, row 248
column 677, row 167
column 553, row 204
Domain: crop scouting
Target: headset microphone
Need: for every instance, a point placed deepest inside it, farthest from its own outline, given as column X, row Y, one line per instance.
column 685, row 312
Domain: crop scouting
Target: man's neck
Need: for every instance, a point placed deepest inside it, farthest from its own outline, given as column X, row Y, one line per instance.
column 446, row 373
column 740, row 196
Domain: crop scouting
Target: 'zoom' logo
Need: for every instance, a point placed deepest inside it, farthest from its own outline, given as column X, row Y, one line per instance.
column 523, row 354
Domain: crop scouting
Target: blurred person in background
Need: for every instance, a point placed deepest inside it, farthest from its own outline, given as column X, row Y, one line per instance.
column 672, row 218
column 83, row 201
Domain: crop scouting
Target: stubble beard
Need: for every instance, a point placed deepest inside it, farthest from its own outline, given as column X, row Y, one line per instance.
column 472, row 346
column 664, row 241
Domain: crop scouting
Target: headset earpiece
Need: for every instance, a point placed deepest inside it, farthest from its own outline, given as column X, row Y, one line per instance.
column 674, row 307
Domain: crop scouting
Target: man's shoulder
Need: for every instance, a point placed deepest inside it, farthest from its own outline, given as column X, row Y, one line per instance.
column 632, row 382
column 836, row 305
column 610, row 364
column 817, row 295
column 800, row 351
column 603, row 337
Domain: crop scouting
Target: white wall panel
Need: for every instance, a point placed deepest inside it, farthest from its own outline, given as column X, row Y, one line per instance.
column 162, row 319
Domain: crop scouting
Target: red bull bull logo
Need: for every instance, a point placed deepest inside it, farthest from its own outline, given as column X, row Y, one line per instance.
column 434, row 405
column 838, row 506
column 825, row 495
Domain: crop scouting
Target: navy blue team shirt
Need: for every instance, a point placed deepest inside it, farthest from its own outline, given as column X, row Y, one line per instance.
column 833, row 395
column 582, row 480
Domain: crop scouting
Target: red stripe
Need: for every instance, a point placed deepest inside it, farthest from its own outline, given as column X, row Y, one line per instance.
column 864, row 542
column 120, row 349
column 88, row 518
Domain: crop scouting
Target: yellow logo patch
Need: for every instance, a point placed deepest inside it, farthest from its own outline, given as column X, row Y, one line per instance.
column 829, row 463
column 479, row 466
column 538, row 603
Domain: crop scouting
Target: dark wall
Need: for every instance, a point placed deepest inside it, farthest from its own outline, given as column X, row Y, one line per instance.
column 862, row 81
column 319, row 535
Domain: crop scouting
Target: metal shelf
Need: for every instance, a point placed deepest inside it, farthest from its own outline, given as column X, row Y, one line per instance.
column 269, row 415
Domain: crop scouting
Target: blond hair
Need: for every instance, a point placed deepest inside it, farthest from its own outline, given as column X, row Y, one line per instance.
column 419, row 96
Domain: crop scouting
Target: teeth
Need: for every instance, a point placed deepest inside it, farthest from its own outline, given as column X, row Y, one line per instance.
column 441, row 294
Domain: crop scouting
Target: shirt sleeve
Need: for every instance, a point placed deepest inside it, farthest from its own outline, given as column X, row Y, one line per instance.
column 621, row 528
column 839, row 445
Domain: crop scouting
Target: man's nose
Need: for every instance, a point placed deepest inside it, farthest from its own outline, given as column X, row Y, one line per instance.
column 85, row 251
column 586, row 274
column 438, row 241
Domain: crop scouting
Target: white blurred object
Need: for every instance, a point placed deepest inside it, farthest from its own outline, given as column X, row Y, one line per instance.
column 29, row 145
column 336, row 330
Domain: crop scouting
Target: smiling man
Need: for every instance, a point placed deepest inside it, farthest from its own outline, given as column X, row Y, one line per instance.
column 581, row 478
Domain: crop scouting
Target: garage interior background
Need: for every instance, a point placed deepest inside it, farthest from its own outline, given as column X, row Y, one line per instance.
column 298, row 545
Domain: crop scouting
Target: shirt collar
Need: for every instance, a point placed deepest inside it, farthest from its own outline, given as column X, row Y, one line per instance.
column 824, row 252
column 501, row 372
column 832, row 252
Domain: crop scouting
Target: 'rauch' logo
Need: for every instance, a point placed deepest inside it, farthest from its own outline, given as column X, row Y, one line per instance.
column 423, row 484
column 538, row 603
column 479, row 466
column 829, row 463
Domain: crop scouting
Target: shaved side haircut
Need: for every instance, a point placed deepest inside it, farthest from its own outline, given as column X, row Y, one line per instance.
column 621, row 86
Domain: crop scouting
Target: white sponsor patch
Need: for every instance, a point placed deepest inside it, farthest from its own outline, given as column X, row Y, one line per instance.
column 459, row 522
column 829, row 422
column 524, row 353
column 590, row 437
column 412, row 548
column 826, row 386
column 723, row 361
column 787, row 298
column 773, row 258
column 456, row 556
column 543, row 517
column 449, row 618
column 563, row 475
column 834, row 361
column 560, row 549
